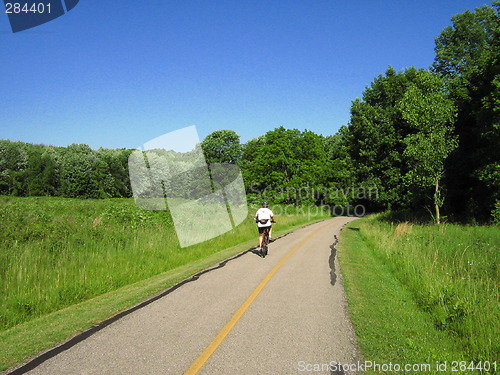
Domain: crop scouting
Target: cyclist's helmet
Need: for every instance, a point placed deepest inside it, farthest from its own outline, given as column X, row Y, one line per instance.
column 265, row 204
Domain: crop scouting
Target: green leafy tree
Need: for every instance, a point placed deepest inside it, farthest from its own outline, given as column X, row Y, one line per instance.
column 468, row 58
column 337, row 149
column 222, row 146
column 286, row 165
column 73, row 171
column 13, row 161
column 113, row 171
column 375, row 136
column 395, row 133
column 41, row 174
column 78, row 177
column 341, row 173
column 430, row 113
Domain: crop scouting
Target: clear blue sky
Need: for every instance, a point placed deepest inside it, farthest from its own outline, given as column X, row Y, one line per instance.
column 119, row 73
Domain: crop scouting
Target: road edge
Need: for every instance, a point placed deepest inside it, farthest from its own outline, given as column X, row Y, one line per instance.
column 34, row 361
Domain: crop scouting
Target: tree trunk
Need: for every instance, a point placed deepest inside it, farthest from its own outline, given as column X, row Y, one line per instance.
column 436, row 201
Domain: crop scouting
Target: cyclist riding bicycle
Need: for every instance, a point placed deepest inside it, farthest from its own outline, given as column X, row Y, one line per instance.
column 264, row 218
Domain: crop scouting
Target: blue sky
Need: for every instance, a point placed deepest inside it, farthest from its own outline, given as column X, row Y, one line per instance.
column 119, row 73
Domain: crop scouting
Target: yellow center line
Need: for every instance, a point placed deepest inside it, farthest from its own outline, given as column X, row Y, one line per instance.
column 212, row 347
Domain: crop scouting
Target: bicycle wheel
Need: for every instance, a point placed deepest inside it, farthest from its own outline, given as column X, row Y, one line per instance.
column 265, row 242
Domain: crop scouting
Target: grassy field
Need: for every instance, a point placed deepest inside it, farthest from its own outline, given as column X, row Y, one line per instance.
column 66, row 264
column 422, row 294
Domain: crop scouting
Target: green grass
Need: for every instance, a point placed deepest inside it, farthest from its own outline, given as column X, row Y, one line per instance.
column 66, row 264
column 423, row 294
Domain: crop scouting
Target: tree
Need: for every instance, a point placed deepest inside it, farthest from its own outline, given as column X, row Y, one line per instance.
column 375, row 139
column 286, row 166
column 430, row 113
column 398, row 136
column 468, row 58
column 341, row 174
column 114, row 172
column 13, row 160
column 342, row 168
column 41, row 174
column 222, row 146
column 83, row 175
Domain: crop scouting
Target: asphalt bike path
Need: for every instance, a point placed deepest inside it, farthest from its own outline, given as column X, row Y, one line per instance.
column 282, row 314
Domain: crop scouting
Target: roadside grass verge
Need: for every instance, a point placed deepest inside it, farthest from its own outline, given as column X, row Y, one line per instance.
column 67, row 264
column 423, row 294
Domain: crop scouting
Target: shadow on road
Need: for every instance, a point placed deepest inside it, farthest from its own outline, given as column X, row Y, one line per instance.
column 331, row 261
column 256, row 251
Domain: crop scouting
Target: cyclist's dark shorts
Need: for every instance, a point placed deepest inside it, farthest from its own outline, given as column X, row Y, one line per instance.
column 262, row 229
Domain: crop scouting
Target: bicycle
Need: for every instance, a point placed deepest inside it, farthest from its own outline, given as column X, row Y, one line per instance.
column 265, row 242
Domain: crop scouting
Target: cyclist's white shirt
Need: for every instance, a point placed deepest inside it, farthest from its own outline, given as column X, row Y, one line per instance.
column 264, row 213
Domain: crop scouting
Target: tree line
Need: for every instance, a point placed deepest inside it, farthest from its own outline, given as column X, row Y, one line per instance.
column 75, row 171
column 417, row 138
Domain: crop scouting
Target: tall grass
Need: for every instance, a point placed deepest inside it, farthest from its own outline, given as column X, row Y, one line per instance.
column 55, row 252
column 453, row 273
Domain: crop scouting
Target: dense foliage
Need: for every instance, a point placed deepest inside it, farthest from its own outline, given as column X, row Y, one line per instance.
column 400, row 135
column 75, row 171
column 417, row 138
column 468, row 58
column 287, row 166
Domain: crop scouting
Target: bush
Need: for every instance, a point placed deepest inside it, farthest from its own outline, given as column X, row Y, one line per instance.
column 496, row 213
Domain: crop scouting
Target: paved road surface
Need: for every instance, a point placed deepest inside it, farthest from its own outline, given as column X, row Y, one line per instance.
column 294, row 322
